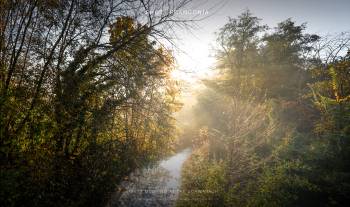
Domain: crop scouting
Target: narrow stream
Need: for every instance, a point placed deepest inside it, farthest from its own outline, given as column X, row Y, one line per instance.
column 156, row 186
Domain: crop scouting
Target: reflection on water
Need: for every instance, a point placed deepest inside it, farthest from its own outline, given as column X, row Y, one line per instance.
column 156, row 186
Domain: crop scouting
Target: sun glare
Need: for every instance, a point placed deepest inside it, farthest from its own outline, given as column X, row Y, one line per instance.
column 193, row 63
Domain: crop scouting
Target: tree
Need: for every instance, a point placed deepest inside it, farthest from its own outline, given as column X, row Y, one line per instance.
column 79, row 84
column 285, row 57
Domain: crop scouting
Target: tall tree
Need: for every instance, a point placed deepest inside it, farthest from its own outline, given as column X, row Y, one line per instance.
column 78, row 80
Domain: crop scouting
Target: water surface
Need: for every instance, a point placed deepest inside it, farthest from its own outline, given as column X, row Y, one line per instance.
column 154, row 186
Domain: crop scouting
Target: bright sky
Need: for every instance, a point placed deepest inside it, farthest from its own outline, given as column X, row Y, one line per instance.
column 194, row 57
column 196, row 47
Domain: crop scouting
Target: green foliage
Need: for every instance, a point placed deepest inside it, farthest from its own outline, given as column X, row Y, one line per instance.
column 277, row 124
column 285, row 185
column 203, row 182
column 85, row 99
